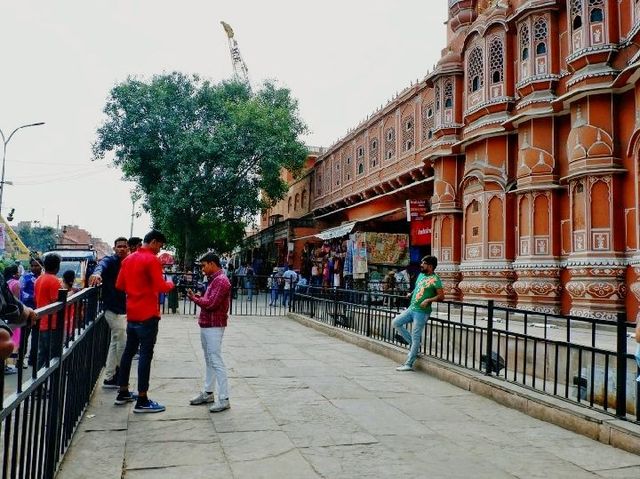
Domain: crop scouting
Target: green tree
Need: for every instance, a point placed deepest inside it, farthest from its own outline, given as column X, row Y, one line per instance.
column 201, row 153
column 40, row 238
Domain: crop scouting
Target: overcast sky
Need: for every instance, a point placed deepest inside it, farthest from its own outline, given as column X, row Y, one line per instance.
column 341, row 59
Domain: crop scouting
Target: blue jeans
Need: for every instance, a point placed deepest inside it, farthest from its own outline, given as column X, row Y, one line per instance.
column 286, row 297
column 274, row 296
column 418, row 320
column 141, row 334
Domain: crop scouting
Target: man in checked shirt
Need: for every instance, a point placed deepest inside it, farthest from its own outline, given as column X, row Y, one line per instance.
column 214, row 307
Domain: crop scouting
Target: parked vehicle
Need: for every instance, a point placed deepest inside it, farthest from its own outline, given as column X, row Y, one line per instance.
column 80, row 259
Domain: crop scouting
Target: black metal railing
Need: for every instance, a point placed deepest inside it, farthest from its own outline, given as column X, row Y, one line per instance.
column 582, row 360
column 42, row 408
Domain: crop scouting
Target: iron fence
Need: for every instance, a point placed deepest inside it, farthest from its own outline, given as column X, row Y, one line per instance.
column 43, row 403
column 585, row 361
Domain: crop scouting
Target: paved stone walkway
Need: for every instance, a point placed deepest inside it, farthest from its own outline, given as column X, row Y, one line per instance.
column 305, row 405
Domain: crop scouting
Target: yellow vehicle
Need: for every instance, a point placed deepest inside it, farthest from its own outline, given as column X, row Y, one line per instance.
column 77, row 258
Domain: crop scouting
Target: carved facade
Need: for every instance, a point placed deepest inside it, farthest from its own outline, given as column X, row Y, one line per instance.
column 529, row 127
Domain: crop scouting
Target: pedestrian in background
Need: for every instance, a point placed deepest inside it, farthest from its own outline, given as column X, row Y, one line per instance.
column 142, row 280
column 134, row 244
column 290, row 278
column 115, row 304
column 46, row 292
column 428, row 289
column 214, row 307
column 28, row 298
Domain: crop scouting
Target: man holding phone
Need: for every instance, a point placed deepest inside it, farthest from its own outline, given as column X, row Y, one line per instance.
column 214, row 307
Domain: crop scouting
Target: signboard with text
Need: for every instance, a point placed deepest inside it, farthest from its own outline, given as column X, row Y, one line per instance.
column 421, row 232
column 417, row 210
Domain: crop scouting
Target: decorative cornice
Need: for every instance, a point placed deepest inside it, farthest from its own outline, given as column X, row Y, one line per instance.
column 582, row 262
column 486, row 266
column 536, row 264
column 537, row 78
column 609, row 47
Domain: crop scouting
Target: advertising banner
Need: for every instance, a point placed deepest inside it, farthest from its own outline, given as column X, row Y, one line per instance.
column 360, row 264
column 421, row 232
column 388, row 248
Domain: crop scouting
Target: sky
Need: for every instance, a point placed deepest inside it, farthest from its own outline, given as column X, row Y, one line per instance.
column 341, row 60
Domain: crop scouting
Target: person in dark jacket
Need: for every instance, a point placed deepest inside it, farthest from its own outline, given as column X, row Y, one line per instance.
column 115, row 303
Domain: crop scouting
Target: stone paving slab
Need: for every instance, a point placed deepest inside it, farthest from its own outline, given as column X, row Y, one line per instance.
column 307, row 405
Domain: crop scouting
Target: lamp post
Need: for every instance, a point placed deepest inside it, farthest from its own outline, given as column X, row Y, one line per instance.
column 5, row 142
column 135, row 197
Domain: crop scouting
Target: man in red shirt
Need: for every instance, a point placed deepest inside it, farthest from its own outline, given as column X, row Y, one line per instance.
column 141, row 278
column 46, row 292
column 214, row 308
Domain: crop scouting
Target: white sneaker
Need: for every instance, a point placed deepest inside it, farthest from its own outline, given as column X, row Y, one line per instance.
column 404, row 367
column 202, row 398
column 220, row 405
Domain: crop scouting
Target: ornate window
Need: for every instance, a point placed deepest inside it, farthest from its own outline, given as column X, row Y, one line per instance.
column 427, row 121
column 587, row 19
column 360, row 168
column 289, row 205
column 540, row 39
column 475, row 79
column 496, row 67
column 448, row 94
column 337, row 175
column 347, row 167
column 319, row 184
column 407, row 133
column 374, row 153
column 525, row 42
column 303, row 201
column 390, row 143
column 296, row 203
column 476, row 70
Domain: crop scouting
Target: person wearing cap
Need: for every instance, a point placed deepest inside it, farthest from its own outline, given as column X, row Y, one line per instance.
column 273, row 284
column 427, row 290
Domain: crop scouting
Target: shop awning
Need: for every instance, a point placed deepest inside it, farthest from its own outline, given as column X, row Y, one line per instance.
column 336, row 232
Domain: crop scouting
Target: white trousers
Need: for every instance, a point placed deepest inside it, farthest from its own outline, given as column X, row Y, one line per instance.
column 212, row 348
column 118, row 326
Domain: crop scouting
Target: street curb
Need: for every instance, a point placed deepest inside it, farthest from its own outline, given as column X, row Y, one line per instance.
column 582, row 420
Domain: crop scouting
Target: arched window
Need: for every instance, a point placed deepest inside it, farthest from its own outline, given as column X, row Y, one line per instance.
column 476, row 70
column 360, row 168
column 448, row 94
column 303, row 202
column 540, row 38
column 296, row 203
column 289, row 205
column 525, row 42
column 496, row 61
column 596, row 15
column 436, row 96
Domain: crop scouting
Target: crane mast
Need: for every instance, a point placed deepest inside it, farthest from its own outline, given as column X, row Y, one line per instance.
column 240, row 70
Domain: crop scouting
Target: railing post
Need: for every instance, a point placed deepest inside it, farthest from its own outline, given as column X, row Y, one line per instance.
column 335, row 305
column 55, row 396
column 489, row 350
column 621, row 366
column 368, row 313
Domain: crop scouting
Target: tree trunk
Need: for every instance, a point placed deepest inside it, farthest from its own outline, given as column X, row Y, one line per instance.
column 188, row 260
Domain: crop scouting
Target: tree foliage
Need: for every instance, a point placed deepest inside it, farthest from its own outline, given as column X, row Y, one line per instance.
column 40, row 238
column 201, row 153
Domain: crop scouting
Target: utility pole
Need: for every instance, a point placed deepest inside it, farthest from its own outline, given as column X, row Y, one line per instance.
column 5, row 142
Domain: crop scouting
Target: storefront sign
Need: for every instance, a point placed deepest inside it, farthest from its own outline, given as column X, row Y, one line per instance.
column 421, row 232
column 417, row 210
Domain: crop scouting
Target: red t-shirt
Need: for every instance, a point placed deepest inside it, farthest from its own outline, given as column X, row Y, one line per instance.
column 46, row 292
column 142, row 280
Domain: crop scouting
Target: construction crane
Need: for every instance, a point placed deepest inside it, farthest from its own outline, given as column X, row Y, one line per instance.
column 240, row 70
column 12, row 242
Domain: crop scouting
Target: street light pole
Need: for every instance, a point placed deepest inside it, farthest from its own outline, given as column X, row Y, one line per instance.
column 5, row 142
column 135, row 196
